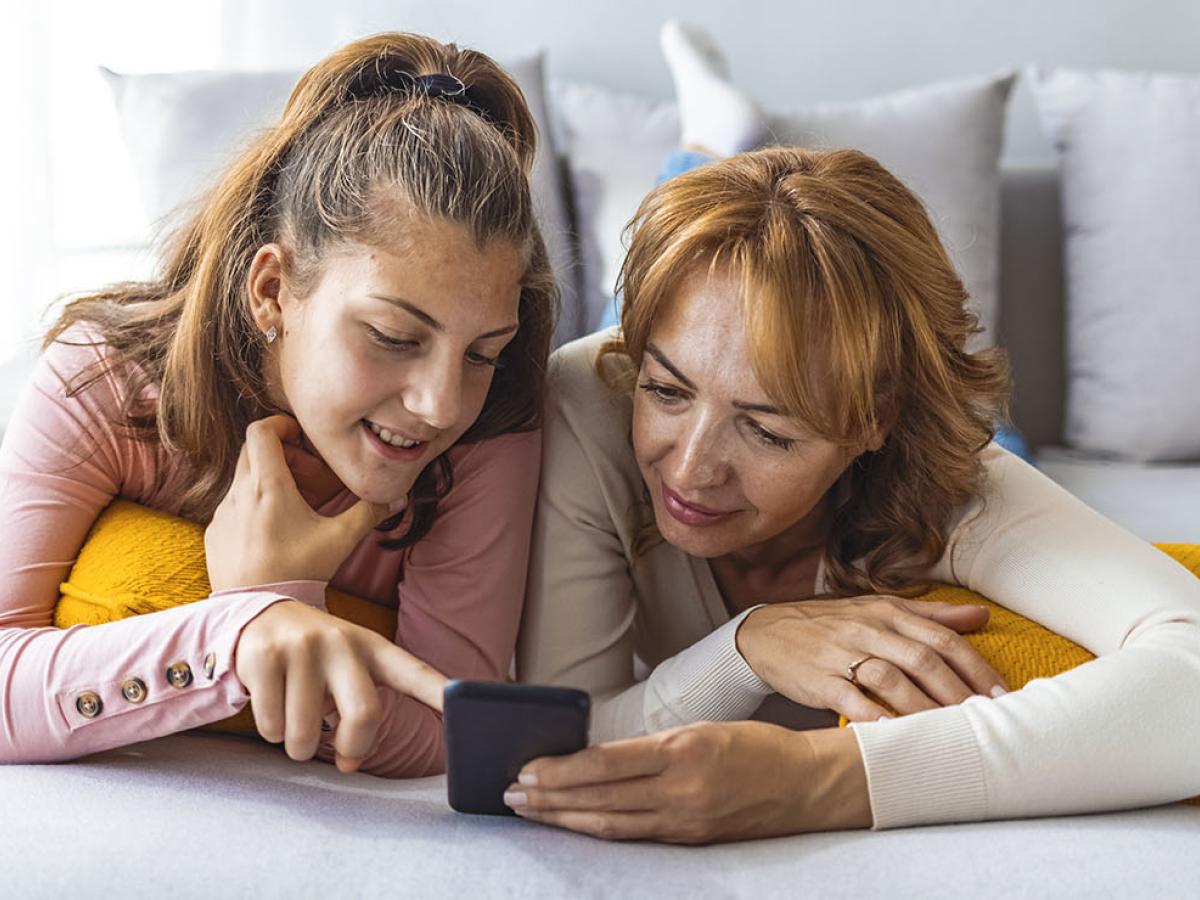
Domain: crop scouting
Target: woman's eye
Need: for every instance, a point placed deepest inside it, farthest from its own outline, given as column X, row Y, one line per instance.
column 770, row 439
column 660, row 392
column 390, row 343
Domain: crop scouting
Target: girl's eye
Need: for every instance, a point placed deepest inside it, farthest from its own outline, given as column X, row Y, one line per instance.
column 390, row 343
column 479, row 359
column 660, row 392
column 770, row 439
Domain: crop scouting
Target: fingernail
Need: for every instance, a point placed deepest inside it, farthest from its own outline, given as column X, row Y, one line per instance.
column 884, row 716
column 514, row 798
column 528, row 779
column 998, row 691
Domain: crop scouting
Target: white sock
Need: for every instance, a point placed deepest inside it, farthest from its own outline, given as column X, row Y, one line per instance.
column 714, row 115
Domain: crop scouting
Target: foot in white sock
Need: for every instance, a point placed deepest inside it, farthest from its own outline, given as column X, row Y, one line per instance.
column 714, row 115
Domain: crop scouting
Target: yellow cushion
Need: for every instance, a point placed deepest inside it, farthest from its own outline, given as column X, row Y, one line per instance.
column 137, row 560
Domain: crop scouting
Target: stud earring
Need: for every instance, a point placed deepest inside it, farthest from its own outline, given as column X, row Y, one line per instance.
column 272, row 333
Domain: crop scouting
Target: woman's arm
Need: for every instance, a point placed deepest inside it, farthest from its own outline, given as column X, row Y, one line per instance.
column 65, row 693
column 580, row 604
column 1117, row 732
column 460, row 598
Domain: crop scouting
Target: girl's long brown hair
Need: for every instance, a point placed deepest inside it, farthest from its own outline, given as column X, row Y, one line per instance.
column 358, row 134
column 856, row 322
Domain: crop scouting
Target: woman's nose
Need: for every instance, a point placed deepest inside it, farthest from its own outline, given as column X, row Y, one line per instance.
column 699, row 459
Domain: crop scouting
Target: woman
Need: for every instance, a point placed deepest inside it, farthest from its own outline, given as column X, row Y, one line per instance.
column 785, row 437
column 339, row 371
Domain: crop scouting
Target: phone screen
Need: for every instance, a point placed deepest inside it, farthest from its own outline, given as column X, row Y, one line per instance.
column 492, row 729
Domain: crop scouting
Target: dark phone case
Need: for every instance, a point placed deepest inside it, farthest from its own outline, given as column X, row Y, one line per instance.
column 493, row 728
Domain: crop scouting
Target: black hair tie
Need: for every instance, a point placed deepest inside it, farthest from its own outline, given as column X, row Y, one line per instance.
column 385, row 78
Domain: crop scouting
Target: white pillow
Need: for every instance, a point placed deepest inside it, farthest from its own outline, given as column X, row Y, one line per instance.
column 183, row 128
column 944, row 141
column 1129, row 153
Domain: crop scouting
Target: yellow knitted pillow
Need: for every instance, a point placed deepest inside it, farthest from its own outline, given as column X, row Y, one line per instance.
column 137, row 560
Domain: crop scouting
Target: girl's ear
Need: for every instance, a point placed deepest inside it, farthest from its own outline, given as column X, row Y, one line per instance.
column 265, row 287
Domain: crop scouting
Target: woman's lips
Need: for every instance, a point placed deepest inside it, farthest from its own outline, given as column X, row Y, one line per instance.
column 390, row 451
column 696, row 516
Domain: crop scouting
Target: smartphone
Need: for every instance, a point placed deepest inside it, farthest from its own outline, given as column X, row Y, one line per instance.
column 492, row 729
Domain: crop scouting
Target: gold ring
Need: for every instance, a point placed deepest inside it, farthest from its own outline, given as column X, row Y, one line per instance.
column 852, row 670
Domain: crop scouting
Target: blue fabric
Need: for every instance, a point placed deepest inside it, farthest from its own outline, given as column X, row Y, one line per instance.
column 680, row 161
column 1014, row 442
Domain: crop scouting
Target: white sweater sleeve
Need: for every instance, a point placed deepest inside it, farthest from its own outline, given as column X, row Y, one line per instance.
column 1119, row 732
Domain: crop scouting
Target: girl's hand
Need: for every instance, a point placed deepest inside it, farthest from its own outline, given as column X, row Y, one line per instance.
column 701, row 783
column 917, row 659
column 264, row 531
column 297, row 661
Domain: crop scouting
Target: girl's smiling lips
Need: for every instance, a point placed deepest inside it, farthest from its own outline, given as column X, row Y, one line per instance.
column 391, row 451
column 691, row 513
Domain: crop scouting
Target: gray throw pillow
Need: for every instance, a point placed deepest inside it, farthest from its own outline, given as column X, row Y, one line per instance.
column 943, row 140
column 1129, row 153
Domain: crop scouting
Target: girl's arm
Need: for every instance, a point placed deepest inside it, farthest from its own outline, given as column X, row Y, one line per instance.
column 461, row 594
column 1117, row 732
column 65, row 693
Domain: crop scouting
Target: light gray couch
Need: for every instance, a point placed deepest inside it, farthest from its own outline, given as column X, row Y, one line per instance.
column 204, row 816
column 1155, row 501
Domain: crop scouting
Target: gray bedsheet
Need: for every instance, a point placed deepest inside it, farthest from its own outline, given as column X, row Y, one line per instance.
column 212, row 817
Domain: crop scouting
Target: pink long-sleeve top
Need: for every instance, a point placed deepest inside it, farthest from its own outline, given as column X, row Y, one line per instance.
column 63, row 460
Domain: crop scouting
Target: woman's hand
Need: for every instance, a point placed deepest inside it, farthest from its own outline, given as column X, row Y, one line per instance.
column 917, row 658
column 265, row 532
column 701, row 783
column 297, row 662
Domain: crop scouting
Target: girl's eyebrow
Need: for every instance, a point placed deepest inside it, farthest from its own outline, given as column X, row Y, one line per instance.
column 416, row 311
column 763, row 408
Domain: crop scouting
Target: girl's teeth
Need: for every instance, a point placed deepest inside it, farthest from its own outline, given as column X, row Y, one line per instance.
column 394, row 439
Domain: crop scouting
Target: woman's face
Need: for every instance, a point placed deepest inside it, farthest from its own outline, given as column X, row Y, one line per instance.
column 726, row 472
column 388, row 360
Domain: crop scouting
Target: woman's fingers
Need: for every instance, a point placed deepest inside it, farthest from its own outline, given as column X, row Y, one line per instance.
column 913, row 671
column 305, row 691
column 617, row 761
column 611, row 826
column 630, row 795
column 967, row 662
column 847, row 700
column 957, row 616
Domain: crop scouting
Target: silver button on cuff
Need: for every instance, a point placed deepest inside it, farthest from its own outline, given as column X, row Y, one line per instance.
column 179, row 675
column 134, row 690
column 210, row 665
column 89, row 704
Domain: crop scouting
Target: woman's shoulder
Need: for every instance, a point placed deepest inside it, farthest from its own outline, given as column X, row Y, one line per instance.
column 582, row 399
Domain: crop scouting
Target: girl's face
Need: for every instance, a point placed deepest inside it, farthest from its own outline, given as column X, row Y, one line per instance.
column 388, row 360
column 726, row 471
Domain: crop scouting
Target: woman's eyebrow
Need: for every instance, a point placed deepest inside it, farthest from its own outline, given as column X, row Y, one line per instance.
column 433, row 323
column 764, row 408
column 669, row 366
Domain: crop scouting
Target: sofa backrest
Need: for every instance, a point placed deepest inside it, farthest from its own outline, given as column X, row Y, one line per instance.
column 1032, row 306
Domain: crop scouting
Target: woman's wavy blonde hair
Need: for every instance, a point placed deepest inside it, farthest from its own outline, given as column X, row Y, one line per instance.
column 358, row 133
column 857, row 323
